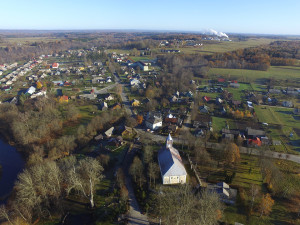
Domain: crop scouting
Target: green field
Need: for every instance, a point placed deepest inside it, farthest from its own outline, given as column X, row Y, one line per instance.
column 281, row 122
column 213, row 47
column 218, row 123
column 276, row 72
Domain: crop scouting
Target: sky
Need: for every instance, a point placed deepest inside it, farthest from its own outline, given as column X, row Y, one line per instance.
column 230, row 16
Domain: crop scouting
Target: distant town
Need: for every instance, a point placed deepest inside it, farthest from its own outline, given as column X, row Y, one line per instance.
column 149, row 128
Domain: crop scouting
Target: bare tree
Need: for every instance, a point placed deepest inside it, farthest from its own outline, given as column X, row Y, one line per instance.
column 4, row 214
column 147, row 154
column 153, row 171
column 179, row 205
column 136, row 170
column 90, row 172
column 254, row 191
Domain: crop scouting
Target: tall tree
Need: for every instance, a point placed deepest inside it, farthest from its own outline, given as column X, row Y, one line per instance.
column 266, row 205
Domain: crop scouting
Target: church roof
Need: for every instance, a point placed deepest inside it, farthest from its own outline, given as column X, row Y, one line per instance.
column 170, row 162
column 169, row 138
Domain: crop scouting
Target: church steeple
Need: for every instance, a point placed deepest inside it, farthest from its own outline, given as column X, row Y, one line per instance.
column 169, row 141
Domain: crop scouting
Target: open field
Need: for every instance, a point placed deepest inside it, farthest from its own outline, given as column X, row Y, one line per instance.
column 27, row 40
column 276, row 72
column 213, row 47
column 281, row 122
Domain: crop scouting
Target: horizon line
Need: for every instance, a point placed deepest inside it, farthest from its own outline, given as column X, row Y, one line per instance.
column 138, row 30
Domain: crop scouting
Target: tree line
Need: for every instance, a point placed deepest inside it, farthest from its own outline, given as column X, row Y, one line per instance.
column 38, row 125
column 40, row 191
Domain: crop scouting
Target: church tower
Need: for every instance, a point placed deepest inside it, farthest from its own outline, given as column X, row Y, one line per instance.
column 169, row 141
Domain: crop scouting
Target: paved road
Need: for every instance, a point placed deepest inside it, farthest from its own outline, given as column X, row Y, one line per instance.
column 124, row 96
column 104, row 90
column 135, row 216
column 220, row 146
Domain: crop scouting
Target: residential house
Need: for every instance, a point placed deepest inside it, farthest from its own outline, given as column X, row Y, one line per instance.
column 234, row 84
column 288, row 104
column 90, row 96
column 58, row 82
column 103, row 106
column 170, row 129
column 55, row 65
column 255, row 142
column 134, row 82
column 274, row 91
column 98, row 137
column 100, row 80
column 206, row 98
column 30, row 90
column 204, row 109
column 171, row 166
column 219, row 101
column 202, row 121
column 63, row 99
column 153, row 121
column 108, row 97
column 225, row 193
column 174, row 99
column 236, row 103
column 143, row 66
column 296, row 111
column 253, row 133
column 109, row 132
column 135, row 103
column 189, row 94
column 43, row 92
column 127, row 131
column 7, row 88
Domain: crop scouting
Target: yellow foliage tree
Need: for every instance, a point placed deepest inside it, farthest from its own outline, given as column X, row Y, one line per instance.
column 39, row 85
column 139, row 119
column 266, row 205
column 232, row 153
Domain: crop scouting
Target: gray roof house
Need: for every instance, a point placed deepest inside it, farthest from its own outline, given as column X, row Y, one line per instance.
column 103, row 106
column 225, row 193
column 204, row 109
column 288, row 104
column 171, row 166
column 109, row 132
column 255, row 133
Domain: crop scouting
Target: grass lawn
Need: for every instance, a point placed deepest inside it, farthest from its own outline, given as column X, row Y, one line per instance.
column 218, row 123
column 86, row 113
column 277, row 72
column 138, row 58
column 280, row 214
column 281, row 122
column 258, row 87
column 247, row 172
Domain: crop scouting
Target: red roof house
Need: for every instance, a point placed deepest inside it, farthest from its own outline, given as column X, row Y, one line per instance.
column 55, row 65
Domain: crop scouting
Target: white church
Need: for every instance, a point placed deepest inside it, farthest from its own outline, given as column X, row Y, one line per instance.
column 171, row 167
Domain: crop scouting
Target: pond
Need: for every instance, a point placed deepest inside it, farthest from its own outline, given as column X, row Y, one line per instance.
column 12, row 164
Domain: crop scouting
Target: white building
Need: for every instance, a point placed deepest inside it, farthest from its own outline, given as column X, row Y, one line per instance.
column 153, row 123
column 171, row 166
column 134, row 82
column 31, row 90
